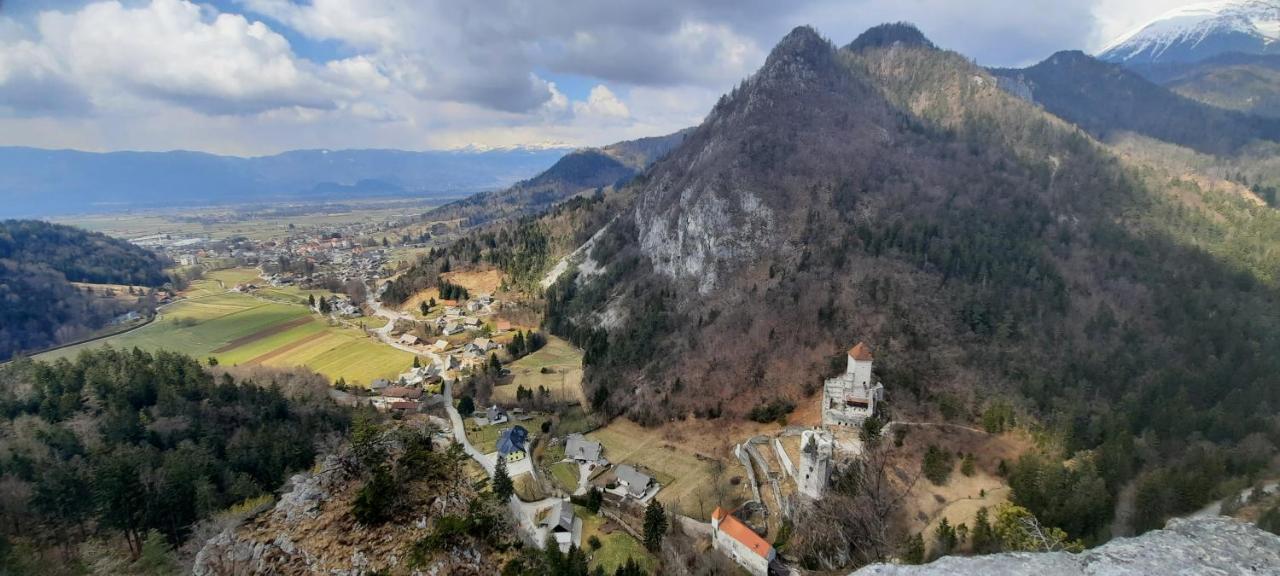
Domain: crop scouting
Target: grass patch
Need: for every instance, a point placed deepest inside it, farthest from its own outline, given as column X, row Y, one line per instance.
column 565, row 476
column 686, row 478
column 556, row 367
column 616, row 547
column 574, row 420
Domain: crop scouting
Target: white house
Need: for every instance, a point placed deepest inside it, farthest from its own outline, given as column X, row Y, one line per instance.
column 851, row 398
column 740, row 543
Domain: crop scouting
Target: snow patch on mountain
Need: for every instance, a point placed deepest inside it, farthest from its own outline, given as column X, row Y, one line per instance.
column 1199, row 31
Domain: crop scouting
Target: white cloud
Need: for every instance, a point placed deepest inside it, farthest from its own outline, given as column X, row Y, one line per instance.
column 602, row 104
column 111, row 74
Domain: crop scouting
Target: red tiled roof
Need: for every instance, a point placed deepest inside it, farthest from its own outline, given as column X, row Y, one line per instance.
column 738, row 531
column 861, row 352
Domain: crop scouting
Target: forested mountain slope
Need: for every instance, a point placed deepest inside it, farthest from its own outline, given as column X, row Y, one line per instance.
column 894, row 194
column 1105, row 99
column 1249, row 83
column 39, row 306
column 114, row 460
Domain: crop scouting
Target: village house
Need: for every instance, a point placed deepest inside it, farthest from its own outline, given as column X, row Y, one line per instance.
column 409, row 339
column 635, row 483
column 405, row 406
column 379, row 385
column 491, row 416
column 441, row 345
column 451, row 328
column 403, row 392
column 480, row 346
column 851, row 398
column 578, row 448
column 740, row 543
column 560, row 524
column 511, row 442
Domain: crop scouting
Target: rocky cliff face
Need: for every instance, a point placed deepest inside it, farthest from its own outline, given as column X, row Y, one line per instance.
column 311, row 531
column 1194, row 546
column 729, row 195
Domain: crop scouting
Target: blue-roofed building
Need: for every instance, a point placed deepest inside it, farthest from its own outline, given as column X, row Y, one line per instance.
column 511, row 443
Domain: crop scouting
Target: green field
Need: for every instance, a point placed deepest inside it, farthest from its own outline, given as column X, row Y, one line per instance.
column 616, row 547
column 564, row 377
column 239, row 329
column 565, row 475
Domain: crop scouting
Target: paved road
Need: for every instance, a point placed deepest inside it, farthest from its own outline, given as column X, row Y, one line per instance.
column 524, row 512
column 384, row 333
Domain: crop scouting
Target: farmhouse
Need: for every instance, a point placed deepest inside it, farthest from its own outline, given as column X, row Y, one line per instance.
column 739, row 542
column 409, row 339
column 450, row 328
column 636, row 483
column 850, row 398
column 379, row 384
column 577, row 447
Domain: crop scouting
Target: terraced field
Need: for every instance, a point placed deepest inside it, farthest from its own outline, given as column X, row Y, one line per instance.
column 243, row 329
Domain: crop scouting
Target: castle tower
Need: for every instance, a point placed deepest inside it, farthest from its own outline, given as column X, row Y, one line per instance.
column 816, row 451
column 851, row 398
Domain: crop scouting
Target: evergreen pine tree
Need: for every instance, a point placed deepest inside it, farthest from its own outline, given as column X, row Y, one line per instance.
column 502, row 485
column 655, row 525
column 914, row 553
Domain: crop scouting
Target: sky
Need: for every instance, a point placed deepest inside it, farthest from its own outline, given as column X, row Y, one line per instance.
column 252, row 77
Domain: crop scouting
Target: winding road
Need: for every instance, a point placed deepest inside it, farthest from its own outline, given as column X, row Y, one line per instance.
column 526, row 513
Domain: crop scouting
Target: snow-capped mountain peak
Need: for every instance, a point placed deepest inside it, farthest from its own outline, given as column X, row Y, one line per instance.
column 1200, row 31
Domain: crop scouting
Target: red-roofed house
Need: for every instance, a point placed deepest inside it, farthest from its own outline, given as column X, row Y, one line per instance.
column 739, row 542
column 403, row 392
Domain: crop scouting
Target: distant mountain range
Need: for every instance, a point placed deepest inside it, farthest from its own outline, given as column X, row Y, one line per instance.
column 37, row 182
column 582, row 170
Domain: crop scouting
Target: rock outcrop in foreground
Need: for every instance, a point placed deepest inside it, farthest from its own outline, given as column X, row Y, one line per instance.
column 1219, row 546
